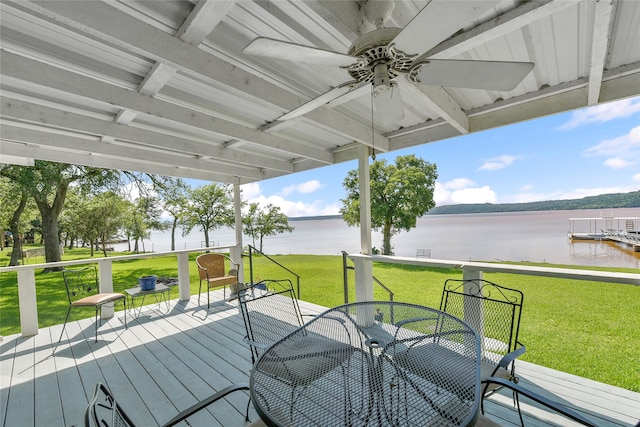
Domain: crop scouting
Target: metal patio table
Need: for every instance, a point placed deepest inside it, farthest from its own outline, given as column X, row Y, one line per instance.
column 372, row 363
column 160, row 290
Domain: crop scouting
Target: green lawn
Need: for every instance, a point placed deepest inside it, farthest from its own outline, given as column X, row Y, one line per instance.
column 584, row 328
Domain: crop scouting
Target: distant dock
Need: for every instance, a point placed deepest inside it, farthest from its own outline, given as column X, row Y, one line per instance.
column 616, row 229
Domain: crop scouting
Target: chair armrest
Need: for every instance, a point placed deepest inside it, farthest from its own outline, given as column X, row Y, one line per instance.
column 567, row 412
column 206, row 402
column 255, row 344
column 510, row 357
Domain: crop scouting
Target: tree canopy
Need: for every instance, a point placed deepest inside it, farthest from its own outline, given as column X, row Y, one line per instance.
column 209, row 207
column 258, row 223
column 400, row 194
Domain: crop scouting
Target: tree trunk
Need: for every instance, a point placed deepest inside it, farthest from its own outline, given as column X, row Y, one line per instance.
column 15, row 230
column 386, row 240
column 50, row 214
column 173, row 233
column 50, row 236
column 206, row 237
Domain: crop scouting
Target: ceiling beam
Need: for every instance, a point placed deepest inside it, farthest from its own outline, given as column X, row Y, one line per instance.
column 600, row 43
column 99, row 20
column 551, row 100
column 446, row 107
column 22, row 110
column 114, row 151
column 39, row 74
column 125, row 164
column 512, row 20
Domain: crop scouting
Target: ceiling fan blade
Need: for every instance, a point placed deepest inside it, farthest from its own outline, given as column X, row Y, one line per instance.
column 437, row 21
column 263, row 46
column 488, row 75
column 389, row 106
column 319, row 101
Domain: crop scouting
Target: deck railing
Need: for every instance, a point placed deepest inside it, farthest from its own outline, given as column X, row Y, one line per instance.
column 471, row 270
column 27, row 298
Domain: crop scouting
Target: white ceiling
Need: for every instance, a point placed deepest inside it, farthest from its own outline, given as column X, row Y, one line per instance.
column 162, row 86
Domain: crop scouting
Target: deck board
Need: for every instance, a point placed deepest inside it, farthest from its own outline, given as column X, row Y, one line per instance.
column 170, row 359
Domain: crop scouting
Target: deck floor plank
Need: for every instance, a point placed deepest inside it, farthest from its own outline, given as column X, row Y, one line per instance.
column 168, row 359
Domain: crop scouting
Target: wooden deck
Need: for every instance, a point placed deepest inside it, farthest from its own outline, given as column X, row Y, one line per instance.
column 167, row 361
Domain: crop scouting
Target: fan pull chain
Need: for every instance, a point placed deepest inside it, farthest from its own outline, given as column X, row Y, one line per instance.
column 373, row 135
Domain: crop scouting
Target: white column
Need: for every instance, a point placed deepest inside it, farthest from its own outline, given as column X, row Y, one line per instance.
column 28, row 302
column 473, row 305
column 236, row 252
column 364, row 268
column 106, row 284
column 184, row 281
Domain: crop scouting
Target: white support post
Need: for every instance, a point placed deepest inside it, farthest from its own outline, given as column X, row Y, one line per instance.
column 236, row 252
column 473, row 305
column 184, row 282
column 106, row 284
column 28, row 302
column 364, row 268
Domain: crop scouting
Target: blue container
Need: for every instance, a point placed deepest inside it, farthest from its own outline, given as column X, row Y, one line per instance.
column 147, row 283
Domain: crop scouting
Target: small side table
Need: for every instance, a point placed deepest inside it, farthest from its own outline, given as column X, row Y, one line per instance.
column 160, row 292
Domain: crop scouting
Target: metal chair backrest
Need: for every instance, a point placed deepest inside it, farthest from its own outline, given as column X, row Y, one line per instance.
column 492, row 310
column 270, row 311
column 81, row 282
column 104, row 411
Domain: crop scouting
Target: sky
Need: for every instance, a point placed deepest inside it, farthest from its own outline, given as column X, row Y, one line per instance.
column 569, row 155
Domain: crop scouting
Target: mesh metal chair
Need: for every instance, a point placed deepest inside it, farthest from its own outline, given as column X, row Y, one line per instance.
column 104, row 411
column 483, row 421
column 494, row 311
column 211, row 269
column 270, row 311
column 83, row 291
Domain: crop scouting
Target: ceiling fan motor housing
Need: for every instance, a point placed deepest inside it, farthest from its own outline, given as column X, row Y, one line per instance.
column 375, row 50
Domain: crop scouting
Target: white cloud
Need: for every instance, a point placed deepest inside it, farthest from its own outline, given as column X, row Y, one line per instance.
column 302, row 188
column 603, row 113
column 474, row 195
column 292, row 208
column 458, row 183
column 251, row 190
column 622, row 152
column 618, row 163
column 461, row 191
column 527, row 187
column 499, row 162
column 636, row 177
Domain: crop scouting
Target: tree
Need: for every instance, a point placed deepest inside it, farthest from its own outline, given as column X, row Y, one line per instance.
column 400, row 194
column 258, row 223
column 210, row 207
column 48, row 183
column 103, row 215
column 175, row 198
column 17, row 213
column 144, row 217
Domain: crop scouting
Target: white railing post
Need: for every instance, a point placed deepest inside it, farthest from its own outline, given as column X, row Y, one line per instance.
column 106, row 284
column 28, row 302
column 184, row 283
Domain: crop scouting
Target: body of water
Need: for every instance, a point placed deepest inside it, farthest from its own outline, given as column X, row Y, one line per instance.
column 515, row 236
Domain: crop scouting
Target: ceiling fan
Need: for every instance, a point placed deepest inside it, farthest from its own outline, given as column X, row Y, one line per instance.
column 379, row 58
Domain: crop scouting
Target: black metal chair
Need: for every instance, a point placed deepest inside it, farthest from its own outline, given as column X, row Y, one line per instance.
column 104, row 411
column 83, row 291
column 494, row 311
column 270, row 311
column 483, row 421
